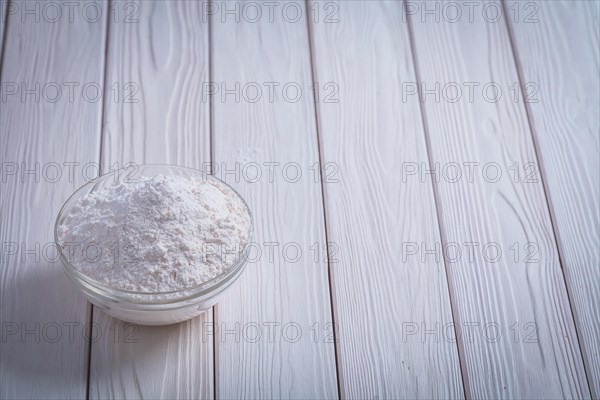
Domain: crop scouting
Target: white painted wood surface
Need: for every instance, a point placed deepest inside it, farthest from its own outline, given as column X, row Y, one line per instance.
column 393, row 309
column 565, row 124
column 164, row 55
column 285, row 295
column 158, row 63
column 384, row 299
column 486, row 289
column 47, row 355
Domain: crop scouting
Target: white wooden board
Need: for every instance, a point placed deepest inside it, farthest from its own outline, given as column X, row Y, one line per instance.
column 279, row 343
column 530, row 349
column 559, row 54
column 385, row 298
column 44, row 318
column 527, row 321
column 163, row 52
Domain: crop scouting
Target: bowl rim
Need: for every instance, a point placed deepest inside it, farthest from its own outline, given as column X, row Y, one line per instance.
column 187, row 293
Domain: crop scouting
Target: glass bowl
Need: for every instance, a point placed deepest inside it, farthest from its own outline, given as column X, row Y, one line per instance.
column 150, row 308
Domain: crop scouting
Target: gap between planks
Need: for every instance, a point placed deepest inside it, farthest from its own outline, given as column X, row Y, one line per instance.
column 317, row 114
column 436, row 199
column 101, row 154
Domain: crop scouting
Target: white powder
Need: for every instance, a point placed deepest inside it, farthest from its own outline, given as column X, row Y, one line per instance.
column 157, row 234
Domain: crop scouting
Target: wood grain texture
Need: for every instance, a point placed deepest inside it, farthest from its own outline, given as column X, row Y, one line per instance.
column 41, row 131
column 165, row 55
column 486, row 289
column 159, row 65
column 274, row 340
column 384, row 299
column 170, row 362
column 560, row 54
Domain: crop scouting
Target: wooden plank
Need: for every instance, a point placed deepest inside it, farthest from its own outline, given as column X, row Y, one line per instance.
column 163, row 52
column 158, row 63
column 522, row 294
column 44, row 133
column 274, row 334
column 385, row 300
column 559, row 53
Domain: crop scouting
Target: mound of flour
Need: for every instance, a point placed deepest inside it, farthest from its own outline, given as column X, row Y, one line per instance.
column 157, row 234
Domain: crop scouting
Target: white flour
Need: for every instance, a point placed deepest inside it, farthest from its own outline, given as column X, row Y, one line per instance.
column 157, row 234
